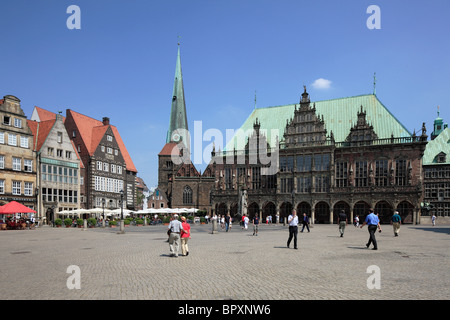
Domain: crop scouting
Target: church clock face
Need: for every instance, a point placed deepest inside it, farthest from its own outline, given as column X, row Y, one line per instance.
column 176, row 137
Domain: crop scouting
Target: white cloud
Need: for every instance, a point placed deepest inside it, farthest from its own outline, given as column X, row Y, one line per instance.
column 321, row 83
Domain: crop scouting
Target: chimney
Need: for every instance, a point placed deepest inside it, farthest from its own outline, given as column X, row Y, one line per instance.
column 105, row 121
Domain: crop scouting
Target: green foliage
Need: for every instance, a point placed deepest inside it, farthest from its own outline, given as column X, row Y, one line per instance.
column 58, row 221
column 68, row 222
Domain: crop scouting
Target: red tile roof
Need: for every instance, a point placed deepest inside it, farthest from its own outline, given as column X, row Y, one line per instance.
column 45, row 115
column 167, row 149
column 92, row 131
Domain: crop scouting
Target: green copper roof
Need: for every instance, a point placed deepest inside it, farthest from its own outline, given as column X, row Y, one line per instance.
column 339, row 115
column 434, row 147
column 178, row 116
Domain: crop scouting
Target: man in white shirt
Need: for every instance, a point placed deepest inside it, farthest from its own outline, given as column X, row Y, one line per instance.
column 175, row 228
column 293, row 228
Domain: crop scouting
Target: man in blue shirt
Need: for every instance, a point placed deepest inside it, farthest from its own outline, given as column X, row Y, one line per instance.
column 396, row 220
column 305, row 222
column 373, row 222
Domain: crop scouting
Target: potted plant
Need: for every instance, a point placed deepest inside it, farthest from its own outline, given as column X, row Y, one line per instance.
column 202, row 220
column 58, row 222
column 113, row 223
column 92, row 222
column 80, row 223
column 140, row 222
column 127, row 222
column 166, row 220
column 67, row 222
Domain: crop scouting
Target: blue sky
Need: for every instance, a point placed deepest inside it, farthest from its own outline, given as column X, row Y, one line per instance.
column 121, row 63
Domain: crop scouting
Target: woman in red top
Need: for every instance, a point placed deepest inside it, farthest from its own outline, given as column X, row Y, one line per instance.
column 185, row 236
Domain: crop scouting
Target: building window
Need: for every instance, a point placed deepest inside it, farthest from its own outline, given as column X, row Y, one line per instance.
column 116, row 152
column 7, row 120
column 304, row 185
column 16, row 188
column 103, row 148
column 109, row 150
column 322, row 183
column 2, row 137
column 17, row 123
column 60, row 137
column 99, row 165
column 286, row 185
column 59, row 153
column 228, row 180
column 74, row 133
column 105, row 166
column 2, row 186
column 286, row 164
column 2, row 162
column 322, row 162
column 361, row 174
column 28, row 165
column 400, row 172
column 24, row 142
column 381, row 173
column 17, row 164
column 28, row 189
column 341, row 174
column 50, row 151
column 68, row 155
column 256, row 178
column 109, row 138
column 12, row 139
column 304, row 163
column 187, row 195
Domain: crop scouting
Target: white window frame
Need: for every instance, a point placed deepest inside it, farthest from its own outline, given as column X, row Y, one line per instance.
column 28, row 188
column 2, row 137
column 16, row 164
column 16, row 188
column 12, row 139
column 2, row 186
column 99, row 165
column 2, row 162
column 17, row 123
column 24, row 142
column 27, row 165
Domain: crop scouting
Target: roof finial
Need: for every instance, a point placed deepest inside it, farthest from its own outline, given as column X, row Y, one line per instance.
column 374, row 83
column 438, row 111
column 255, row 99
column 179, row 37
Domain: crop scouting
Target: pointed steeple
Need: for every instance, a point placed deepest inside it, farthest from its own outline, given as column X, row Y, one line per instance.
column 178, row 125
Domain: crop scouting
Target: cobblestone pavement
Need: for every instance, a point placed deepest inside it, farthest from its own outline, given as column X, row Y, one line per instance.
column 226, row 265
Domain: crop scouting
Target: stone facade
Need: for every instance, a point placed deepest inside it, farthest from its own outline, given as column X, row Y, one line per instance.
column 17, row 158
column 320, row 177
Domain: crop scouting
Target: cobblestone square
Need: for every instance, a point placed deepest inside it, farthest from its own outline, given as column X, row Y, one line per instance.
column 227, row 265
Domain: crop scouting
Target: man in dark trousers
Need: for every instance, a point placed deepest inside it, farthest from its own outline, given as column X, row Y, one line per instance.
column 342, row 221
column 305, row 222
column 373, row 222
column 293, row 228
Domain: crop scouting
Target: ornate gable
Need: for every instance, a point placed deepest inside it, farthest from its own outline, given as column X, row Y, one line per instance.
column 306, row 127
column 362, row 131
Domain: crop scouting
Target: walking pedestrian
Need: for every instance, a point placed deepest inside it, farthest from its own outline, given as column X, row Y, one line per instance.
column 175, row 228
column 305, row 222
column 185, row 236
column 342, row 221
column 356, row 222
column 293, row 228
column 396, row 221
column 255, row 221
column 373, row 223
column 227, row 222
column 433, row 220
column 246, row 220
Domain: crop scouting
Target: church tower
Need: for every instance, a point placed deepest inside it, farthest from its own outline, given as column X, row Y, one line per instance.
column 178, row 125
column 438, row 126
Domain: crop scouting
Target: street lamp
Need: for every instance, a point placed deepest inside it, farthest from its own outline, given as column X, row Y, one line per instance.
column 103, row 206
column 122, row 225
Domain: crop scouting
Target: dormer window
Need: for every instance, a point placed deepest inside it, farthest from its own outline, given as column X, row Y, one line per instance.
column 109, row 138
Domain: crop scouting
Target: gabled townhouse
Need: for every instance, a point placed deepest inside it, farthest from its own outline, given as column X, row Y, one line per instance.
column 17, row 159
column 58, row 169
column 109, row 175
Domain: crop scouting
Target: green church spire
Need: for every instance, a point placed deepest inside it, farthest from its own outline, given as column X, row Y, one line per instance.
column 178, row 125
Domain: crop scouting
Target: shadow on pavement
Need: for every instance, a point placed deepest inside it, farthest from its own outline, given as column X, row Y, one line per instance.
column 445, row 230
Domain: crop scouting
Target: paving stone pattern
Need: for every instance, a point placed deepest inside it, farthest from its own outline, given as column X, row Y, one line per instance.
column 226, row 265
